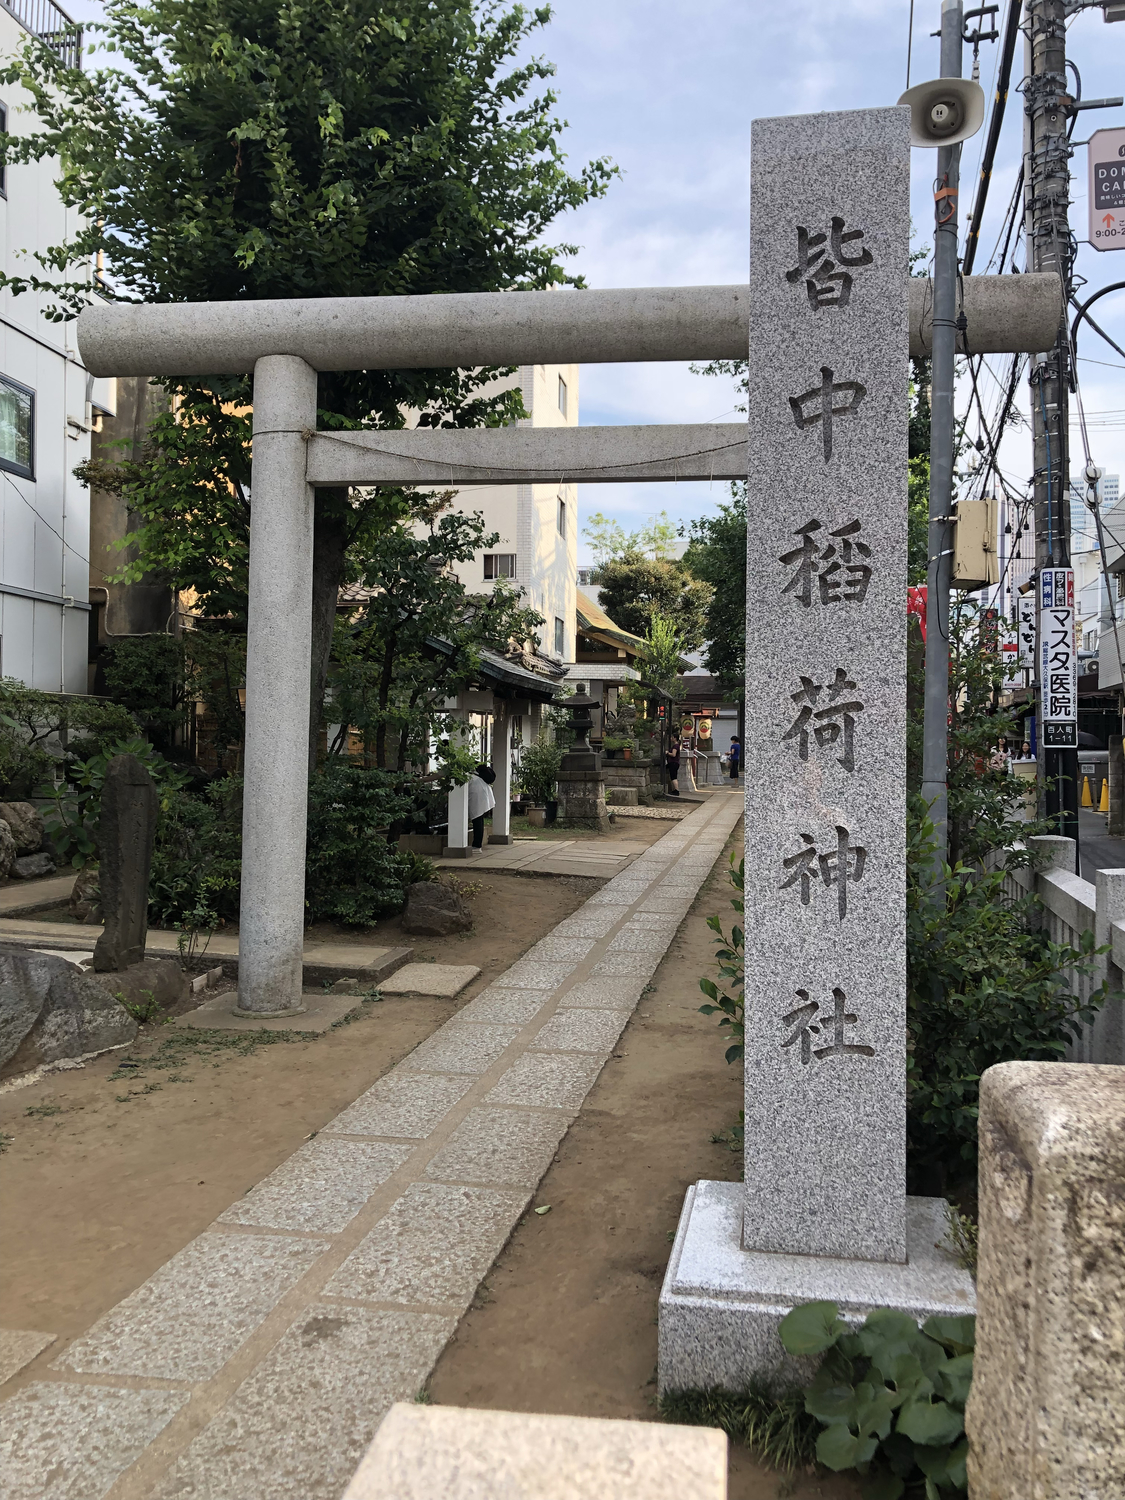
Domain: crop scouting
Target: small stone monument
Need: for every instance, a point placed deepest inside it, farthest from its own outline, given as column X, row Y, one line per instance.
column 126, row 831
column 823, row 1213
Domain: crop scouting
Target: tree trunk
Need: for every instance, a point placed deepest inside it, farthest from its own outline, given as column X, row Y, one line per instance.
column 330, row 539
column 384, row 698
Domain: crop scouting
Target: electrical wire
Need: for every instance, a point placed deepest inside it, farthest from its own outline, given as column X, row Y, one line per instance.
column 46, row 523
column 1000, row 99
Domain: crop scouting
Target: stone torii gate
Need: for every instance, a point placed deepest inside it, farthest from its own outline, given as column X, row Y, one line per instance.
column 285, row 343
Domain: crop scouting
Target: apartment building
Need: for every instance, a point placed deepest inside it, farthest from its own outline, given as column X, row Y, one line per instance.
column 49, row 405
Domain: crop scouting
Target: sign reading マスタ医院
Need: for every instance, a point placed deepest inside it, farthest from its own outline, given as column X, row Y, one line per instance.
column 1058, row 658
column 824, row 750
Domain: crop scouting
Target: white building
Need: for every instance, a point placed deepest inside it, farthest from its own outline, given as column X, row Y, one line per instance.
column 537, row 523
column 48, row 404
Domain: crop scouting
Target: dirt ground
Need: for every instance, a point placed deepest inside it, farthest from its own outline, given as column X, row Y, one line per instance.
column 566, row 1321
column 108, row 1170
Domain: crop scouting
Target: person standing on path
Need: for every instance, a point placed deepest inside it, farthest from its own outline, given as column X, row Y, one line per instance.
column 735, row 757
column 672, row 765
column 481, row 801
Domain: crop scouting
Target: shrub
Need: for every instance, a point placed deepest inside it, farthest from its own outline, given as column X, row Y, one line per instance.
column 539, row 769
column 33, row 725
column 352, row 874
column 890, row 1396
column 729, row 954
column 197, row 857
column 72, row 819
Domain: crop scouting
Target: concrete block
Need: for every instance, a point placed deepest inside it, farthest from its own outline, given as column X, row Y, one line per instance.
column 408, row 1105
column 321, row 1011
column 442, row 980
column 501, row 1146
column 581, row 1031
column 720, row 1304
column 18, row 1347
column 432, row 1247
column 512, row 1007
column 190, row 1316
column 297, row 1426
column 451, row 1453
column 321, row 1187
column 530, row 974
column 622, row 796
column 466, row 1049
column 1044, row 1415
column 547, row 1080
column 607, row 992
column 70, row 1442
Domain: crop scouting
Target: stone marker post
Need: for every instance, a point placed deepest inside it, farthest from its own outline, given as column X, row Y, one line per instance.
column 826, row 686
column 823, row 1213
column 126, row 831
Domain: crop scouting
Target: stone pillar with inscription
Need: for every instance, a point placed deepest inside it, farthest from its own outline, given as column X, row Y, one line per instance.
column 823, row 1212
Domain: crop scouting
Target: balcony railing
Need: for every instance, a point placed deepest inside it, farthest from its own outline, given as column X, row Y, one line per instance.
column 51, row 24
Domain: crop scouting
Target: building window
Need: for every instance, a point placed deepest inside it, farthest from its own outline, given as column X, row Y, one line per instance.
column 3, row 169
column 562, row 395
column 562, row 517
column 560, row 637
column 1121, row 585
column 17, row 428
column 499, row 565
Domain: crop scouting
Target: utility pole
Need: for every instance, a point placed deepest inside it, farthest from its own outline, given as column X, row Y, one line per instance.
column 1050, row 248
column 943, row 359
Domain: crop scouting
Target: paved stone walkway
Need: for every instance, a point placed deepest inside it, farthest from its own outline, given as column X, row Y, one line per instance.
column 260, row 1359
column 592, row 856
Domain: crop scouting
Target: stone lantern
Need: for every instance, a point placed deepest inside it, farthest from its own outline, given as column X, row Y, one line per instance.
column 581, row 783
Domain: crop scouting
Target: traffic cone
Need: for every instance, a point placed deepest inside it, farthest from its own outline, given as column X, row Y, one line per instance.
column 1103, row 805
column 1087, row 800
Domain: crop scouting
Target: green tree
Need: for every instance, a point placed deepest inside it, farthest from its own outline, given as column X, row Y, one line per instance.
column 634, row 588
column 663, row 650
column 717, row 555
column 417, row 634
column 609, row 539
column 250, row 149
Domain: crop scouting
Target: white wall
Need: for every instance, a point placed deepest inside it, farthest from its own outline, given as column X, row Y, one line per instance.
column 44, row 521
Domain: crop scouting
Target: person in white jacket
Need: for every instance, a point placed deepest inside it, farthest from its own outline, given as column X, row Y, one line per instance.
column 481, row 801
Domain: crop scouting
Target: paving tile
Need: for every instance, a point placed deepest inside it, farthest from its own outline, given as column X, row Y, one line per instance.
column 628, row 965
column 298, row 1426
column 556, row 947
column 320, row 1188
column 461, row 1049
column 673, row 904
column 581, row 1031
column 401, row 1104
column 642, row 940
column 189, row 1317
column 648, row 921
column 510, row 1007
column 442, row 980
column 18, row 1347
column 527, row 974
column 70, row 1442
column 512, row 1146
column 608, row 896
column 433, row 1246
column 604, row 993
column 549, row 1080
column 588, row 924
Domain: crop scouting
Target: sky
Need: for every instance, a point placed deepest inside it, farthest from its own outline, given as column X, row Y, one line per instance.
column 668, row 88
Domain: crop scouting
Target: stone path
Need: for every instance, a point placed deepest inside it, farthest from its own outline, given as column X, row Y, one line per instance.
column 261, row 1358
column 592, row 856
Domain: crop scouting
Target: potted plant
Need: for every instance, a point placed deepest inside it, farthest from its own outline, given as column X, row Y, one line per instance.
column 539, row 770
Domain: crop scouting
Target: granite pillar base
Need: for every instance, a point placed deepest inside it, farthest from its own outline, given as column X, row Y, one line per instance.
column 720, row 1305
column 581, row 796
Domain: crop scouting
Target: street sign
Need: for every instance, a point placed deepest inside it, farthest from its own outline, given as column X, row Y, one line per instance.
column 1026, row 630
column 1105, row 154
column 1009, row 651
column 1058, row 667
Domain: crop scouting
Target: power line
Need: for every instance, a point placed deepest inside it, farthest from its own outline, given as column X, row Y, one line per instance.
column 46, row 523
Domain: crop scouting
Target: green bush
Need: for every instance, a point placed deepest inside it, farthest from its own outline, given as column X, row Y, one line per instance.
column 729, row 955
column 539, row 770
column 352, row 874
column 34, row 726
column 197, row 857
column 984, row 985
column 890, row 1397
column 72, row 818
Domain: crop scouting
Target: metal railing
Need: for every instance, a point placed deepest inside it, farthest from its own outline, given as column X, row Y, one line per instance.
column 51, row 24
